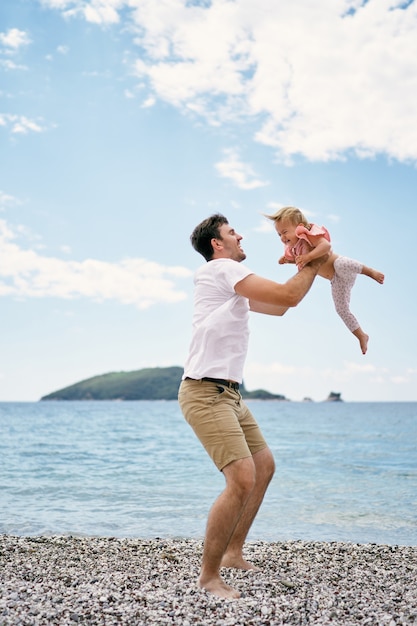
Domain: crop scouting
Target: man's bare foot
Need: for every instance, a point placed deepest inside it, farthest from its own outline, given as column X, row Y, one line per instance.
column 219, row 588
column 238, row 562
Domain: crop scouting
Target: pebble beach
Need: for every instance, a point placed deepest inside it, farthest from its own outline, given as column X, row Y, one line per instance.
column 90, row 580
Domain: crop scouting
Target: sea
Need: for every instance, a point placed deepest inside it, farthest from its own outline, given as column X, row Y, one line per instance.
column 344, row 471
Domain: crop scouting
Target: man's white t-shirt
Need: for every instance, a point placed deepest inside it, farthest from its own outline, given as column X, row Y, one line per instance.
column 220, row 323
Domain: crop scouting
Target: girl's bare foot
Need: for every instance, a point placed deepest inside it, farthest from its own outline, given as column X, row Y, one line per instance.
column 364, row 343
column 363, row 339
column 219, row 588
column 378, row 276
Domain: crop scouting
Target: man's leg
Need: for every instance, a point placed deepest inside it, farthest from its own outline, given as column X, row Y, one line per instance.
column 264, row 468
column 222, row 521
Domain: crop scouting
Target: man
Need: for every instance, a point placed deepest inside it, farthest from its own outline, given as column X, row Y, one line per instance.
column 225, row 292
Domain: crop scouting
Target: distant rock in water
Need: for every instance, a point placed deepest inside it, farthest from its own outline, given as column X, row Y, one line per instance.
column 157, row 383
column 334, row 397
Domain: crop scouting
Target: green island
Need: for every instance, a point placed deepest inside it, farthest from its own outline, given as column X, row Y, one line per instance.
column 157, row 383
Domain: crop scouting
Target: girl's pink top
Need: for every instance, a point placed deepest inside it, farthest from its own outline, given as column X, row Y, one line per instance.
column 304, row 244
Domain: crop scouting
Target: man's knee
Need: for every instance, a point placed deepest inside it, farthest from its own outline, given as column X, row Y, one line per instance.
column 241, row 475
column 271, row 467
column 265, row 464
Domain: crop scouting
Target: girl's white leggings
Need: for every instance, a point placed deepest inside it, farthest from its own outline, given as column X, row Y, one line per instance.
column 345, row 272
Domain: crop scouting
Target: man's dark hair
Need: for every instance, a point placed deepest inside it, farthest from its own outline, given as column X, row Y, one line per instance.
column 206, row 231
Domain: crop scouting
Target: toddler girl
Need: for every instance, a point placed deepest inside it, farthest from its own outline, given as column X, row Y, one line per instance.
column 304, row 242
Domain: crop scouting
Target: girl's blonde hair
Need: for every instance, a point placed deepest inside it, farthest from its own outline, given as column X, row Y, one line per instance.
column 290, row 213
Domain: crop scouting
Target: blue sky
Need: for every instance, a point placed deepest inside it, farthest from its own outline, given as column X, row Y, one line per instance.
column 123, row 123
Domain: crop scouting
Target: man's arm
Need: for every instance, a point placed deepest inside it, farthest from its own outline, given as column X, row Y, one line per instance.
column 267, row 309
column 267, row 296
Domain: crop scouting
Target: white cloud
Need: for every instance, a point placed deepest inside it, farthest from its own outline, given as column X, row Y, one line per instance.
column 25, row 273
column 400, row 380
column 14, row 38
column 360, row 368
column 241, row 174
column 11, row 66
column 102, row 12
column 148, row 103
column 275, row 206
column 265, row 226
column 403, row 378
column 333, row 218
column 20, row 124
column 6, row 200
column 320, row 80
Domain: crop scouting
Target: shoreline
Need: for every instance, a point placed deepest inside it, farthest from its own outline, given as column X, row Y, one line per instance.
column 95, row 580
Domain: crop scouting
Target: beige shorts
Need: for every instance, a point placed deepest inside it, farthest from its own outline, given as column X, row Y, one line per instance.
column 221, row 421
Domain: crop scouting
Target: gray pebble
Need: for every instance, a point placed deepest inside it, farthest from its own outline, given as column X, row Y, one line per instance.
column 93, row 580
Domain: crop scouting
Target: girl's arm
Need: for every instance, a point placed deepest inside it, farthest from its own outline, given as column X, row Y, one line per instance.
column 320, row 247
column 284, row 260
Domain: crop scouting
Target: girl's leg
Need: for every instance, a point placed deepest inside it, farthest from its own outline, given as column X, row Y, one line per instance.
column 345, row 272
column 363, row 339
column 378, row 276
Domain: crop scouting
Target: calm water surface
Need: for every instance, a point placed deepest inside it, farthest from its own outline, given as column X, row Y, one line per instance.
column 345, row 471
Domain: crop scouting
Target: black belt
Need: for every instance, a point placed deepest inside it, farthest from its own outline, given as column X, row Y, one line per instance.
column 219, row 381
